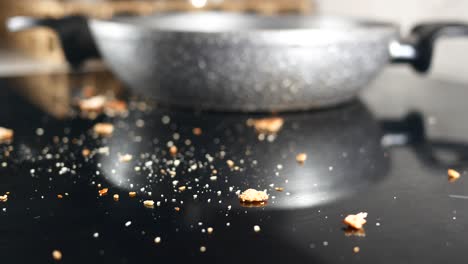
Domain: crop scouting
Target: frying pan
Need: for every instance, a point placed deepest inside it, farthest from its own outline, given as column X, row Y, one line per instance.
column 245, row 62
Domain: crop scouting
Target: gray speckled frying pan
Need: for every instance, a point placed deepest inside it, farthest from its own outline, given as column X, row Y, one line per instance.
column 245, row 62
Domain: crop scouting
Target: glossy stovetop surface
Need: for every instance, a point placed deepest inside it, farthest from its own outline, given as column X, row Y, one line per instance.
column 386, row 154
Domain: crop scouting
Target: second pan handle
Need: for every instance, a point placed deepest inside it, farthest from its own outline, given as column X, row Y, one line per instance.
column 417, row 49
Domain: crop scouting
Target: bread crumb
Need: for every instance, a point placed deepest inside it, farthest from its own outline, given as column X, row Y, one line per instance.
column 230, row 163
column 85, row 152
column 4, row 198
column 177, row 209
column 148, row 203
column 115, row 107
column 173, row 150
column 356, row 221
column 279, row 189
column 116, row 197
column 301, row 158
column 103, row 191
column 270, row 125
column 97, row 104
column 103, row 150
column 132, row 194
column 453, row 175
column 103, row 129
column 253, row 196
column 182, row 188
column 356, row 249
column 210, row 230
column 93, row 104
column 6, row 135
column 125, row 158
column 202, row 249
column 59, row 196
column 197, row 131
column 157, row 240
column 57, row 255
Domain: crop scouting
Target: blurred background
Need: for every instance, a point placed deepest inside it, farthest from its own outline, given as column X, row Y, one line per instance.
column 39, row 50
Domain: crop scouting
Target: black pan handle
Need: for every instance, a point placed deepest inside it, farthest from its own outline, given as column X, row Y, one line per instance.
column 73, row 31
column 417, row 49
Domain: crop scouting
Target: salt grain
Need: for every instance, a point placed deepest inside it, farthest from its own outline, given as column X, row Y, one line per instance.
column 210, row 230
column 256, row 228
column 157, row 240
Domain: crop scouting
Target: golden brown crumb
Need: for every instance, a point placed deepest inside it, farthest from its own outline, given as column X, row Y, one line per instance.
column 103, row 129
column 356, row 249
column 230, row 163
column 182, row 188
column 4, row 198
column 93, row 104
column 125, row 158
column 59, row 196
column 279, row 189
column 270, row 125
column 148, row 203
column 301, row 158
column 177, row 209
column 210, row 230
column 103, row 191
column 253, row 196
column 356, row 221
column 6, row 134
column 116, row 197
column 132, row 194
column 173, row 150
column 202, row 249
column 115, row 107
column 197, row 131
column 57, row 255
column 85, row 152
column 453, row 175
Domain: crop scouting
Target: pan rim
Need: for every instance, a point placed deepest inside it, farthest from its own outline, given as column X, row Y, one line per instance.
column 353, row 24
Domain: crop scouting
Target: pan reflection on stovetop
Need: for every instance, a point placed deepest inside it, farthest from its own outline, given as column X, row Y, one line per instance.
column 343, row 145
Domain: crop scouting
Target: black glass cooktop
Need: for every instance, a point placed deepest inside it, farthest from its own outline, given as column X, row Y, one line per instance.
column 386, row 154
